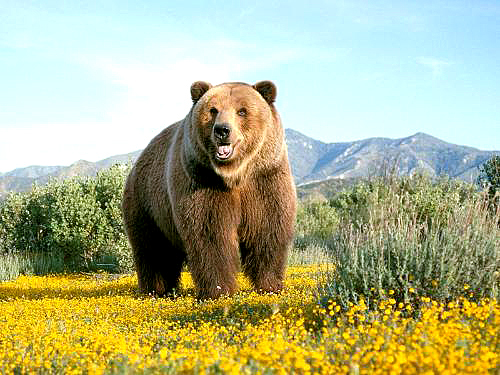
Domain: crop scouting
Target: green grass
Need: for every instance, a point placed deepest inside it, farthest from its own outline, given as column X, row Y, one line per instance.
column 14, row 264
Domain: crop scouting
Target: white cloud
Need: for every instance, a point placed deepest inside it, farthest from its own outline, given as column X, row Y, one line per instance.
column 55, row 144
column 155, row 93
column 435, row 65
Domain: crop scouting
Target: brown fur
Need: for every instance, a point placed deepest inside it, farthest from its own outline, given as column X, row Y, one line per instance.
column 182, row 203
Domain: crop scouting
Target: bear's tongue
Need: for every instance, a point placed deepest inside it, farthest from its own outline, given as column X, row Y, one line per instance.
column 224, row 151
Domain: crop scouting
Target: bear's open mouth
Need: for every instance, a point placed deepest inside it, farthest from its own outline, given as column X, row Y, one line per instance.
column 224, row 151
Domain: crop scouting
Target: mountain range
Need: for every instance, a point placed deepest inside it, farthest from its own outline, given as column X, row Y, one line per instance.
column 315, row 160
column 312, row 160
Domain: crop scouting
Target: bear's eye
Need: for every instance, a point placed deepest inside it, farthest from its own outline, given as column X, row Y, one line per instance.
column 214, row 111
column 242, row 112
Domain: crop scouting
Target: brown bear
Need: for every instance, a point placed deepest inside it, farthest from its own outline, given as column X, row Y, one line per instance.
column 214, row 190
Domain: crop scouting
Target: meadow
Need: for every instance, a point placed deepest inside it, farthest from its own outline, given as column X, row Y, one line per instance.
column 98, row 324
column 392, row 276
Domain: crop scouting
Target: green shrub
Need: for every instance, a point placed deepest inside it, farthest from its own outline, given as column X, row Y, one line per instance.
column 77, row 220
column 316, row 222
column 413, row 237
column 382, row 199
column 489, row 179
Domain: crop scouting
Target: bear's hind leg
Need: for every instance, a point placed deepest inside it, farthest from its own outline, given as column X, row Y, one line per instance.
column 158, row 263
column 169, row 270
column 159, row 276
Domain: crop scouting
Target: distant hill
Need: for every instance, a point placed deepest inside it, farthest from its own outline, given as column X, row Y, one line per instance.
column 21, row 179
column 324, row 189
column 33, row 171
column 312, row 160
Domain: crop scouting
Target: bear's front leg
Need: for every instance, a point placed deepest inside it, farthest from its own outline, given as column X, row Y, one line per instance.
column 209, row 225
column 213, row 262
column 267, row 231
column 264, row 263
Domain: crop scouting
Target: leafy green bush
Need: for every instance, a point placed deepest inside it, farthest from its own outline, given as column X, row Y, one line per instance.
column 77, row 220
column 400, row 238
column 379, row 200
column 316, row 222
column 489, row 179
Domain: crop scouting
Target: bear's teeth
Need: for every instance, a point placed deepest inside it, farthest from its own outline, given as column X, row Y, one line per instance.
column 224, row 151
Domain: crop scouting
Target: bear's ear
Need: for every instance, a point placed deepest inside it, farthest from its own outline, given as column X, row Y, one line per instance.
column 267, row 89
column 198, row 89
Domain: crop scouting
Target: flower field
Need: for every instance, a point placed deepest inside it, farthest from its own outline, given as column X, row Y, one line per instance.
column 97, row 323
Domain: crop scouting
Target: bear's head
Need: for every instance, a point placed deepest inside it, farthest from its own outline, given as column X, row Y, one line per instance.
column 229, row 122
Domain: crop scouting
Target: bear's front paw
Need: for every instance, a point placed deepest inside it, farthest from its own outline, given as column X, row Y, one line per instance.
column 270, row 287
column 216, row 292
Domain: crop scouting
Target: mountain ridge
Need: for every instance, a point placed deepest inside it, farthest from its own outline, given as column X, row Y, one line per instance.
column 366, row 157
column 311, row 160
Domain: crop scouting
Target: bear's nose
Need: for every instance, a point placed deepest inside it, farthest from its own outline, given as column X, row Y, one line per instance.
column 222, row 131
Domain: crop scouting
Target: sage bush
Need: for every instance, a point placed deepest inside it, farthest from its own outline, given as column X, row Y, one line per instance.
column 403, row 237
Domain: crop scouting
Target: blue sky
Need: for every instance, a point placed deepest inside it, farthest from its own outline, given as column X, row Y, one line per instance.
column 87, row 80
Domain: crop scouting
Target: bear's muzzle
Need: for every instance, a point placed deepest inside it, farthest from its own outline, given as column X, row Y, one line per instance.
column 223, row 138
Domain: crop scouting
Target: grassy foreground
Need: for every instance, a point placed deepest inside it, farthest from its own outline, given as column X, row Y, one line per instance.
column 99, row 324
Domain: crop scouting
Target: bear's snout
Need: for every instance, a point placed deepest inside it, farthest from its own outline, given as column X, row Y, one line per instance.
column 222, row 132
column 225, row 139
